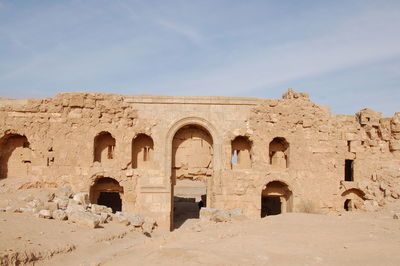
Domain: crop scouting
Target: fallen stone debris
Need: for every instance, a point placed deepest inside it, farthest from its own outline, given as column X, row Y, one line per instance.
column 64, row 205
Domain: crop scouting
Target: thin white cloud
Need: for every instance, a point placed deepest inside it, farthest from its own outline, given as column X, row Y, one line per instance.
column 366, row 38
column 180, row 29
column 2, row 5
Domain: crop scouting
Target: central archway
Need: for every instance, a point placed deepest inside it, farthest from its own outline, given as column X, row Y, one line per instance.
column 192, row 167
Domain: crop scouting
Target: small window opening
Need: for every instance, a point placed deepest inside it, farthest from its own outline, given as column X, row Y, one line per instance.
column 348, row 145
column 235, row 157
column 110, row 152
column 348, row 170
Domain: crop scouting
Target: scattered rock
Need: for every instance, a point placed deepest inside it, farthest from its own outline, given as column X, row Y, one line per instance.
column 64, row 192
column 47, row 214
column 207, row 213
column 52, row 206
column 84, row 218
column 26, row 198
column 134, row 219
column 81, row 198
column 104, row 218
column 74, row 206
column 148, row 225
column 50, row 196
column 98, row 209
column 396, row 216
column 60, row 215
column 11, row 209
column 62, row 202
column 221, row 216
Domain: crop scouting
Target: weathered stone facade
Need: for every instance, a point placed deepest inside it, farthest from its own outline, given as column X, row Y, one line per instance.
column 263, row 156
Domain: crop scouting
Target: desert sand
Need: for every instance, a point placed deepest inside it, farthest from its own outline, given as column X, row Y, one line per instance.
column 349, row 238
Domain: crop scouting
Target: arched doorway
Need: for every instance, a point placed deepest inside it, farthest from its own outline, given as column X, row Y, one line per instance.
column 353, row 199
column 107, row 191
column 15, row 156
column 276, row 198
column 192, row 165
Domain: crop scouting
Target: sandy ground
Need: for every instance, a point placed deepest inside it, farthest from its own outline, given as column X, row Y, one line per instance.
column 353, row 238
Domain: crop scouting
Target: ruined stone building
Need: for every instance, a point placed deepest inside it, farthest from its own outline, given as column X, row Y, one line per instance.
column 165, row 156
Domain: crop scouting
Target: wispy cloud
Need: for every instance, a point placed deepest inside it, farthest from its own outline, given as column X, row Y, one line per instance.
column 365, row 38
column 182, row 30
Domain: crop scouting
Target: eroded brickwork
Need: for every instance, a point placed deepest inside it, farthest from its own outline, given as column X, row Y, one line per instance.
column 158, row 155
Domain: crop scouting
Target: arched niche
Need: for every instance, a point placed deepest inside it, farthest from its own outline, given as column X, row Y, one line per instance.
column 15, row 156
column 241, row 153
column 142, row 152
column 104, row 145
column 279, row 153
column 107, row 191
column 353, row 199
column 276, row 198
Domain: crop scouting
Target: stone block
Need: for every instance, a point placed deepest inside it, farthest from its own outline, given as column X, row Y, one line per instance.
column 74, row 206
column 84, row 218
column 104, row 218
column 77, row 101
column 64, row 192
column 47, row 214
column 51, row 206
column 62, row 203
column 60, row 215
column 207, row 213
column 394, row 145
column 221, row 216
column 98, row 209
column 148, row 225
column 81, row 198
column 134, row 219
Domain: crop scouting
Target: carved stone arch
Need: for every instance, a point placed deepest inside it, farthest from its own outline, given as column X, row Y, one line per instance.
column 193, row 121
column 276, row 198
column 107, row 189
column 191, row 179
column 15, row 155
column 241, row 152
column 353, row 199
column 104, row 144
column 279, row 150
column 142, row 151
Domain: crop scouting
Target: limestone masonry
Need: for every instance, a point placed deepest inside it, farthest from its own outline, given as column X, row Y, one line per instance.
column 166, row 157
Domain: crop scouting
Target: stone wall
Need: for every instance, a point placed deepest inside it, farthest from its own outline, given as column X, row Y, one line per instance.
column 245, row 151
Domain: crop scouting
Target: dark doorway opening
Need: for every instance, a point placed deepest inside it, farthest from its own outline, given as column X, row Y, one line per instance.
column 187, row 208
column 347, row 205
column 270, row 206
column 348, row 171
column 110, row 199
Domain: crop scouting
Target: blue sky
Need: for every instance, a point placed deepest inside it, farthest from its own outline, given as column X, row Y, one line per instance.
column 345, row 54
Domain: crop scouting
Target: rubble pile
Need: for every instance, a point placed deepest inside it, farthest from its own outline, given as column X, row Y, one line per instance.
column 64, row 205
